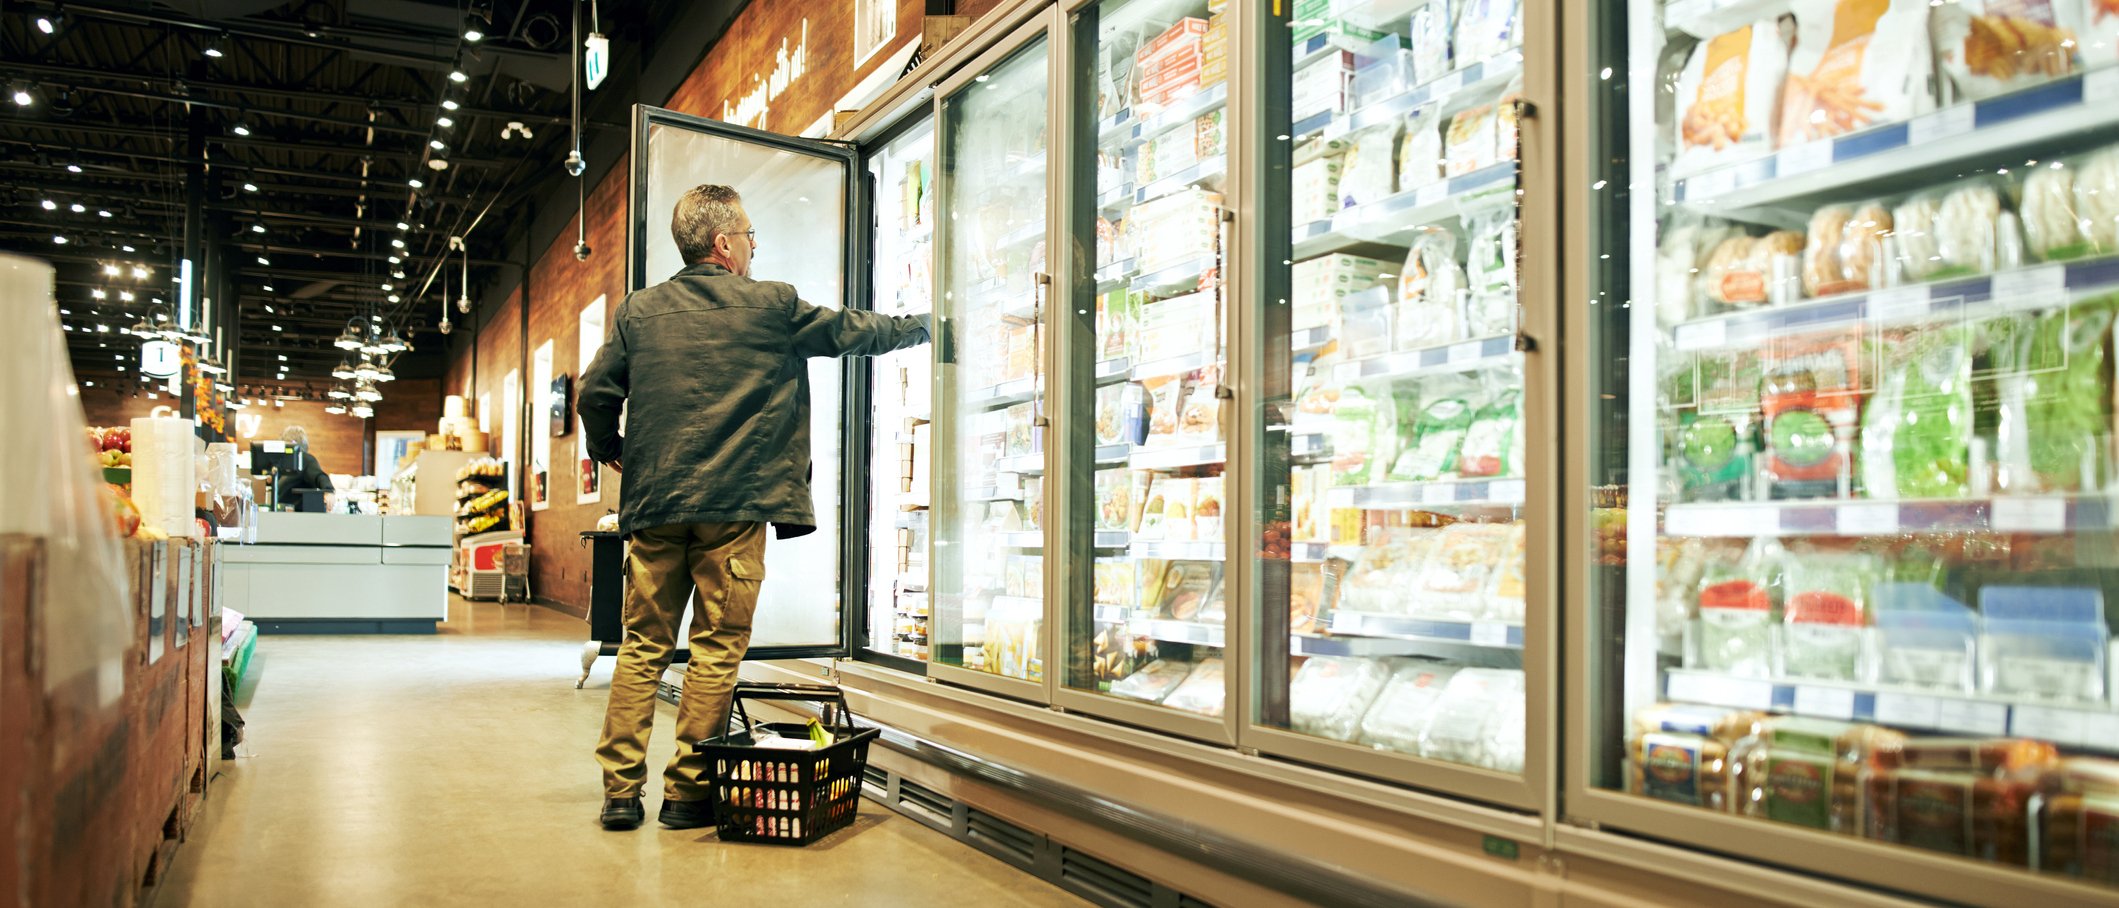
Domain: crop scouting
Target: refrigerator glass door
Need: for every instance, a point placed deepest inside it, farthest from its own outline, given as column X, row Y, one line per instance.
column 901, row 174
column 1850, row 564
column 798, row 195
column 1146, row 357
column 1392, row 584
column 988, row 559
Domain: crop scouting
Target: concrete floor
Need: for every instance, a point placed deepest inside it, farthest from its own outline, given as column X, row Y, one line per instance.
column 458, row 769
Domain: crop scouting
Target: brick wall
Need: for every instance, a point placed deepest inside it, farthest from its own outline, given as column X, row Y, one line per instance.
column 341, row 443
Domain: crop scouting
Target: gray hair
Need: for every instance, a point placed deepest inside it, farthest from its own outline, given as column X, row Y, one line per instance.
column 704, row 212
column 295, row 435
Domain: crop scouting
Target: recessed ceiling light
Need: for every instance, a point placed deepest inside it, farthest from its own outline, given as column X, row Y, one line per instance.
column 437, row 144
column 449, row 104
column 77, row 207
column 59, row 240
column 403, row 226
column 278, row 328
column 250, row 187
column 50, row 205
column 445, row 123
column 457, row 75
column 102, row 212
column 258, row 227
column 415, row 183
column 264, row 261
column 73, row 168
column 268, row 288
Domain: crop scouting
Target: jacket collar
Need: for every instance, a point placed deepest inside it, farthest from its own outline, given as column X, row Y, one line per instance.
column 707, row 268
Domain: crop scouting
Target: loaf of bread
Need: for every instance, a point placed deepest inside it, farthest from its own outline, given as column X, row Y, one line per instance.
column 1681, row 768
column 1957, row 812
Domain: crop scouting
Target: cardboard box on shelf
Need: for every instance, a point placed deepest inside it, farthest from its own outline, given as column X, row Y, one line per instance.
column 1322, row 86
column 1315, row 192
column 1214, row 52
column 1317, row 285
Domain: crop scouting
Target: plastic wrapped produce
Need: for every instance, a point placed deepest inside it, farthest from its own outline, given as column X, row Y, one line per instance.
column 1811, row 397
column 1201, row 692
column 2054, row 388
column 1845, row 248
column 1420, row 155
column 1825, row 608
column 1364, row 437
column 1736, row 613
column 1468, row 723
column 1913, row 226
column 1717, row 442
column 1390, row 566
column 1459, row 573
column 1329, row 695
column 1681, row 258
column 1973, row 234
column 1490, row 274
column 1438, row 435
column 1751, row 271
column 1856, row 64
column 2097, row 196
column 1491, row 439
column 1726, row 95
column 1916, row 433
column 1366, row 175
column 1429, row 32
column 1402, row 711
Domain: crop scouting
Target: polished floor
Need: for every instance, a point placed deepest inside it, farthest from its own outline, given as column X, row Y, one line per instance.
column 457, row 770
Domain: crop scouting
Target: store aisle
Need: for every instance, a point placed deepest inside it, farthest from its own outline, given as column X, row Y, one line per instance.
column 456, row 769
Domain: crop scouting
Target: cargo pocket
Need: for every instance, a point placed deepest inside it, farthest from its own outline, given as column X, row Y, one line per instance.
column 745, row 576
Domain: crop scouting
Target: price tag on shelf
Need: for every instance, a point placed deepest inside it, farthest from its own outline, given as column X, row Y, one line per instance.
column 1754, row 521
column 1447, row 85
column 1973, row 717
column 1824, row 702
column 1710, row 184
column 1431, row 194
column 1908, row 710
column 2060, row 726
column 1701, row 335
column 1866, row 519
column 1804, row 158
column 1955, row 120
column 1507, row 491
column 2030, row 288
column 1489, row 633
column 1898, row 302
column 1684, row 521
column 2028, row 515
column 1467, row 352
column 2100, row 86
column 1438, row 493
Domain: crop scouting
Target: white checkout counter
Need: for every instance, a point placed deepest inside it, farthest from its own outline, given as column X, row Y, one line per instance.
column 342, row 573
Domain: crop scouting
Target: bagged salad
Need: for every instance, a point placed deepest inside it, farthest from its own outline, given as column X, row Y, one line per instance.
column 1717, row 442
column 1492, row 445
column 1438, row 434
column 1490, row 272
column 1364, row 436
column 1825, row 597
column 1916, row 432
column 1811, row 399
column 1736, row 612
column 2054, row 399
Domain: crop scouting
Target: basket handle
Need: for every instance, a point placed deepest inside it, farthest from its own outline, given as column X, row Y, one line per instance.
column 842, row 722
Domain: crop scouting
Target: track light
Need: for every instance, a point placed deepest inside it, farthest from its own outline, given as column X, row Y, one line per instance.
column 218, row 47
column 257, row 227
column 73, row 168
column 22, row 96
column 398, row 242
column 60, row 240
column 50, row 205
column 474, row 29
column 103, row 212
column 415, row 183
column 449, row 104
column 250, row 187
column 403, row 226
column 264, row 261
column 437, row 145
column 240, row 128
column 50, row 23
column 77, row 207
column 445, row 122
column 394, row 259
column 457, row 76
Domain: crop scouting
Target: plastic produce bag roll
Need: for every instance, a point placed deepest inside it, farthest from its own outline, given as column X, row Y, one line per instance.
column 164, row 478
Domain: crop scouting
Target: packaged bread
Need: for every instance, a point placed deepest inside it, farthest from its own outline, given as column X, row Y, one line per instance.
column 1856, row 64
column 1992, row 47
column 1973, row 233
column 2010, row 756
column 1726, row 95
column 1845, row 248
column 2097, row 195
column 1720, row 723
column 2077, row 820
column 1794, row 784
column 1681, row 257
column 1957, row 812
column 1919, row 255
column 2051, row 230
column 1688, row 769
column 1748, row 271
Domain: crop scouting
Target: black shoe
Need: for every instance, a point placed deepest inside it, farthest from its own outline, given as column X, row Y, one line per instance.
column 622, row 813
column 686, row 814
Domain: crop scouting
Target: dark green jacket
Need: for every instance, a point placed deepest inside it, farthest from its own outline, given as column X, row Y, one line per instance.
column 712, row 370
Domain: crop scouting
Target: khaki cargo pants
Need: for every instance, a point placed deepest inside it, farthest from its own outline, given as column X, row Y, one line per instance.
column 726, row 562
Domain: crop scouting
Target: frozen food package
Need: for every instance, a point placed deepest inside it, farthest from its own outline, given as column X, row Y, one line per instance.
column 1681, row 257
column 1745, row 271
column 1113, row 582
column 1505, row 601
column 2043, row 643
column 1736, row 613
column 1179, row 495
column 1993, row 47
column 1924, row 639
column 2096, row 186
column 1916, row 430
column 1965, row 813
column 1364, row 437
column 1389, row 569
column 1825, row 607
column 1329, row 694
column 1429, row 34
column 1207, row 509
column 1113, row 506
column 1153, row 681
column 1508, row 115
column 1913, row 226
column 1137, row 499
column 1199, row 419
column 1491, row 439
column 1305, row 597
column 1202, row 691
column 1490, row 274
column 1796, row 785
column 1315, row 193
column 1402, row 711
column 1472, row 141
column 2052, row 230
column 1110, row 415
column 1470, row 716
column 1420, row 155
column 2003, row 756
column 1365, row 324
column 1506, row 734
column 1726, row 96
column 1185, row 587
column 1856, row 64
column 1165, row 393
column 1811, row 398
column 1367, row 172
column 1485, row 29
column 1717, row 441
column 2077, row 820
column 1845, row 250
column 1466, row 557
column 2054, row 389
column 1430, row 291
column 1720, row 723
column 1438, row 436
column 1680, row 767
column 1972, row 232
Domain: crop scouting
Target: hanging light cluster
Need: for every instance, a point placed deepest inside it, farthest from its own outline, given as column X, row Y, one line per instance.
column 370, row 348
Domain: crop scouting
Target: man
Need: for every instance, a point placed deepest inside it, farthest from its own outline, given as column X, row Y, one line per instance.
column 309, row 474
column 712, row 367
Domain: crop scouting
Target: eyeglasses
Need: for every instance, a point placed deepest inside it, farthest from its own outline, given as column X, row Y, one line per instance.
column 752, row 235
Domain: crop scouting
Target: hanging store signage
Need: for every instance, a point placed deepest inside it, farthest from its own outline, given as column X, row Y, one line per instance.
column 752, row 107
column 596, row 62
column 158, row 358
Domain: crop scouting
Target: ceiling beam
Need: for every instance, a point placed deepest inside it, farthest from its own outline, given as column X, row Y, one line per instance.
column 307, row 36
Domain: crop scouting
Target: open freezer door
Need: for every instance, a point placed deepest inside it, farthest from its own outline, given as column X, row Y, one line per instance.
column 800, row 196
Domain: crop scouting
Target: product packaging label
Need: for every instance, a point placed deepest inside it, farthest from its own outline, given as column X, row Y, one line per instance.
column 1936, row 813
column 1798, row 790
column 1672, row 769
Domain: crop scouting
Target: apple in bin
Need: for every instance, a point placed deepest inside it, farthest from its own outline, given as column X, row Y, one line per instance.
column 125, row 518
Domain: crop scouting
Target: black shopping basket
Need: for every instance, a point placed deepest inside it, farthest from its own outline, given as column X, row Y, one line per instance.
column 783, row 796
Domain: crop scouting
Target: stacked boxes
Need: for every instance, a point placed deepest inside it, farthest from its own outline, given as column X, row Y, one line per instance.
column 1169, row 67
column 1323, row 85
column 1214, row 52
column 1175, row 227
column 1168, row 154
column 1320, row 283
column 1317, row 19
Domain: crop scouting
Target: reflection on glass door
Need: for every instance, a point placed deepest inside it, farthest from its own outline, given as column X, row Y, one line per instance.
column 989, row 563
column 902, row 174
column 1146, row 370
column 1393, row 595
column 1854, row 411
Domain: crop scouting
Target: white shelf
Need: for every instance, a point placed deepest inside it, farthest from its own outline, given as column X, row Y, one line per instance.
column 1020, row 463
column 1027, row 233
column 1413, row 496
column 1114, row 275
column 1173, row 457
column 1205, row 171
column 1113, row 539
column 1182, row 113
column 1309, row 446
column 1855, row 517
column 1007, row 393
column 1180, row 277
column 1176, row 365
column 1017, row 605
column 1193, row 632
column 1394, row 219
column 1488, row 634
column 1479, row 353
column 1020, row 539
column 2088, row 725
column 1309, row 340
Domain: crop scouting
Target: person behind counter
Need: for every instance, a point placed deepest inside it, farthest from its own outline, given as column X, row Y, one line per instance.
column 308, row 473
column 710, row 369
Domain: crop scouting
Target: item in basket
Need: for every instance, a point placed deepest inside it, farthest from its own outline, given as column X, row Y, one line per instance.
column 1329, row 694
column 1466, row 557
column 2054, row 389
column 1471, row 718
column 1385, row 577
column 1490, row 274
column 1992, row 47
column 1153, row 681
column 1916, row 431
column 1811, row 398
column 1402, row 711
column 1726, row 95
column 1365, row 175
column 1736, row 613
column 1492, row 437
column 1752, row 271
column 1420, row 155
column 1305, row 597
column 2051, row 229
column 1856, row 63
column 1485, row 29
column 1429, row 31
column 1471, row 140
column 1430, row 297
column 1202, row 691
column 1437, row 437
column 1826, row 598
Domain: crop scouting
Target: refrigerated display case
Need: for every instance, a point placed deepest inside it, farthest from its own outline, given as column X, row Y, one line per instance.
column 1848, row 393
column 1144, row 356
column 901, row 177
column 988, row 627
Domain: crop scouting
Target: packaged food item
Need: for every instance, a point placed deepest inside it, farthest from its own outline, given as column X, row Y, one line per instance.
column 1490, row 273
column 1505, row 603
column 1319, row 284
column 1916, row 430
column 1736, row 613
column 1390, row 567
column 1143, row 483
column 1486, row 29
column 1206, row 509
column 1179, row 495
column 1117, row 654
column 1726, row 95
column 1471, row 719
column 1913, row 223
column 1856, row 63
column 1420, row 156
column 1796, row 785
column 1824, row 611
column 1153, row 681
column 1471, row 141
column 1508, row 138
column 1364, row 437
column 1315, row 188
column 1430, row 293
column 1305, row 597
column 1429, row 32
column 1329, row 695
column 2043, row 643
column 1461, row 569
column 1154, row 508
column 1925, row 639
column 1717, row 441
column 1845, row 248
column 1365, row 325
column 1322, row 86
column 1202, row 691
column 1164, row 393
column 2077, row 819
column 2054, row 395
column 1993, row 47
column 1720, row 723
column 1112, row 504
column 1185, row 586
column 2005, row 756
column 2052, row 230
column 1680, row 767
column 2097, row 186
column 1402, row 711
column 1746, row 271
column 1113, row 582
column 1366, row 175
column 1117, row 319
column 1681, row 259
column 1811, row 399
column 1437, row 437
column 1110, row 415
column 1964, row 813
column 1199, row 420
column 1491, row 439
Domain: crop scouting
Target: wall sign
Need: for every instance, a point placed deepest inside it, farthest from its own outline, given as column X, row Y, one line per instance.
column 753, row 106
